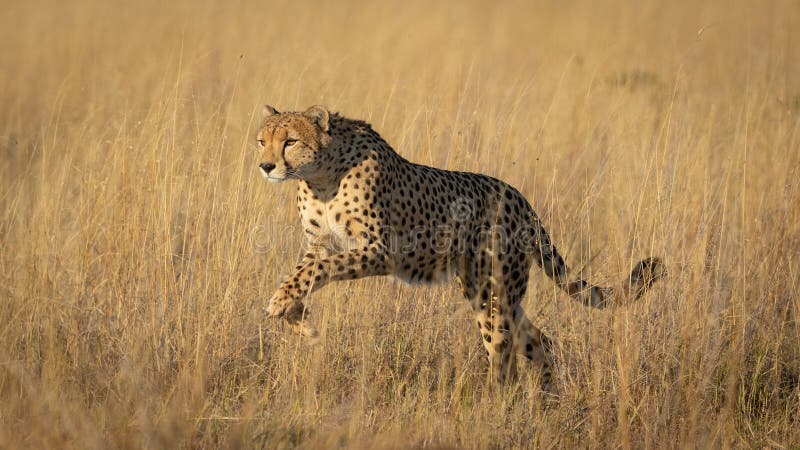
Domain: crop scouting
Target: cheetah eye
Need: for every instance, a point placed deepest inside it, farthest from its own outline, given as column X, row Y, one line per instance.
column 261, row 143
column 289, row 142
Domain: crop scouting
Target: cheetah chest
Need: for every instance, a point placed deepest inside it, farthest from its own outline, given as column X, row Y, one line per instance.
column 331, row 224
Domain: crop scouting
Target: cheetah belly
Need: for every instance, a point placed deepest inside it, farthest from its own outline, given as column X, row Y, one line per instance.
column 423, row 269
column 406, row 277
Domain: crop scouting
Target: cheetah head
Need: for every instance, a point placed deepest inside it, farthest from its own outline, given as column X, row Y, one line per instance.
column 293, row 144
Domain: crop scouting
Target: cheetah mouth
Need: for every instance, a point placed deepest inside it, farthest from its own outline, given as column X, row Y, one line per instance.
column 270, row 178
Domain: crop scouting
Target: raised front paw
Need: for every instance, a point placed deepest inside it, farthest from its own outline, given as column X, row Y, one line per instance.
column 295, row 313
column 281, row 305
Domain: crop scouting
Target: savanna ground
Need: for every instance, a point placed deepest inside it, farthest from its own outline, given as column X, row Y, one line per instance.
column 138, row 243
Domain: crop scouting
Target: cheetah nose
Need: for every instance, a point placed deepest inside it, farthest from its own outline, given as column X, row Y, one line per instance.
column 266, row 167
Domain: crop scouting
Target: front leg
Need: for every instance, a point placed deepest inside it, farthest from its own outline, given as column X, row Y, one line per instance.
column 312, row 273
column 319, row 248
column 293, row 310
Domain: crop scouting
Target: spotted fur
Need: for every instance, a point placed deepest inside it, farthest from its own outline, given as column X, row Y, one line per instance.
column 367, row 211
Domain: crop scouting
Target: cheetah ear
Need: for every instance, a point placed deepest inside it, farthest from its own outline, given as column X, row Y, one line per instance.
column 319, row 115
column 268, row 111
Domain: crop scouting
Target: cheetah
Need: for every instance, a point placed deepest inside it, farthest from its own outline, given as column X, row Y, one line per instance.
column 367, row 211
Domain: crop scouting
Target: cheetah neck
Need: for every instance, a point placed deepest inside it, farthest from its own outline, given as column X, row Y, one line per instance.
column 320, row 189
column 351, row 145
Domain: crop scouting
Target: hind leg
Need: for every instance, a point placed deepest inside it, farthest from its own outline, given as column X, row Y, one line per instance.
column 498, row 340
column 493, row 317
column 534, row 345
column 497, row 335
column 529, row 341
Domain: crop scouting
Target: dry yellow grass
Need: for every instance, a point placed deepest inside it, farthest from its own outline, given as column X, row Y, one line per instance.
column 138, row 242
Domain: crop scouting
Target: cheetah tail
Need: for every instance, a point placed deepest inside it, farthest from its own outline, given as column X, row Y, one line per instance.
column 644, row 274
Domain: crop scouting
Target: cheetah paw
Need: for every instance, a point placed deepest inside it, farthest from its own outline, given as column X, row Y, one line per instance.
column 280, row 305
column 308, row 331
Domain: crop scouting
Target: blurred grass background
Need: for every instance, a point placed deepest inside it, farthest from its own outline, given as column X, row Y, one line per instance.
column 138, row 242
